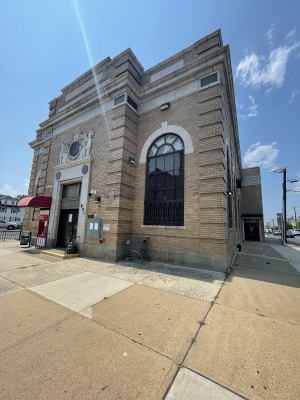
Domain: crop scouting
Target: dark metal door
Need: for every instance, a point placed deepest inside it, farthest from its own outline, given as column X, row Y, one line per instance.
column 67, row 229
column 251, row 229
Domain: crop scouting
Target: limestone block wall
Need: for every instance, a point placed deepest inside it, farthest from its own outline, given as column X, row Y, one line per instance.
column 252, row 194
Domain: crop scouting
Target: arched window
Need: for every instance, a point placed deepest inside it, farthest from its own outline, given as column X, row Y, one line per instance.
column 164, row 195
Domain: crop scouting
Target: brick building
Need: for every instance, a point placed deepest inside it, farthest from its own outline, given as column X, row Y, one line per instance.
column 127, row 153
column 252, row 206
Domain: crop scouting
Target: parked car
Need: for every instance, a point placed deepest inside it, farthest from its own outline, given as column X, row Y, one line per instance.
column 9, row 225
column 277, row 233
column 290, row 234
column 297, row 232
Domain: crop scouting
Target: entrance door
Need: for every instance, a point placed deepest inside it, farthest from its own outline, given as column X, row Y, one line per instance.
column 67, row 229
column 252, row 229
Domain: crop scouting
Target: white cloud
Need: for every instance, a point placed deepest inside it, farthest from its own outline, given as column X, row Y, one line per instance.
column 296, row 185
column 291, row 34
column 251, row 110
column 270, row 32
column 261, row 155
column 10, row 191
column 26, row 184
column 259, row 70
column 293, row 95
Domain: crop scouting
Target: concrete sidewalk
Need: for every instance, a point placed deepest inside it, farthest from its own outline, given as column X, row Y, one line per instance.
column 84, row 329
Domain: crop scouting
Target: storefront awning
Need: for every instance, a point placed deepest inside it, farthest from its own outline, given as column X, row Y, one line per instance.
column 36, row 201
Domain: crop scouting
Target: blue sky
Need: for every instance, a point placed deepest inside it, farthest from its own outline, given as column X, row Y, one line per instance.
column 46, row 44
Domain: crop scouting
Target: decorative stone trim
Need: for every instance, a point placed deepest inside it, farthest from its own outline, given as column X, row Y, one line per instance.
column 165, row 128
column 73, row 163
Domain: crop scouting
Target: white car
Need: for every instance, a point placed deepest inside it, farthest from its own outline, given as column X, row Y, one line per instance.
column 9, row 225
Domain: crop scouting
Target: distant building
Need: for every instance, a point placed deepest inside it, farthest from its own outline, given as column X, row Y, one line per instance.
column 9, row 211
column 128, row 153
column 252, row 205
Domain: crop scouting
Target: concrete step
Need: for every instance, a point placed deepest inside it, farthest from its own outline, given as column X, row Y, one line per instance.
column 60, row 253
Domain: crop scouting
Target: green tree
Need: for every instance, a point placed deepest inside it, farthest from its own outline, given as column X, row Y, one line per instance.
column 21, row 196
column 289, row 225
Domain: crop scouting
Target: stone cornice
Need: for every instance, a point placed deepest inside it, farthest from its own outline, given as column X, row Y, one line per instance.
column 73, row 163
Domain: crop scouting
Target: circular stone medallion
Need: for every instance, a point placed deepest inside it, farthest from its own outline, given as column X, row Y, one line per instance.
column 57, row 175
column 74, row 149
column 84, row 169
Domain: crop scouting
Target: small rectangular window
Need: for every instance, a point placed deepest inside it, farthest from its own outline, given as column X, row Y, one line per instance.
column 48, row 134
column 209, row 80
column 132, row 103
column 119, row 100
column 36, row 152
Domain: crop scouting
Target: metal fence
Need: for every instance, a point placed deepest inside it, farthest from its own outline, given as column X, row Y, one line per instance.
column 164, row 213
column 10, row 235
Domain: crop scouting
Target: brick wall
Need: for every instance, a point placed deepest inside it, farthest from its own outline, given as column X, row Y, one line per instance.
column 207, row 115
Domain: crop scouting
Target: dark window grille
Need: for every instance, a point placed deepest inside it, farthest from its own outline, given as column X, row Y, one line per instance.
column 164, row 213
column 164, row 196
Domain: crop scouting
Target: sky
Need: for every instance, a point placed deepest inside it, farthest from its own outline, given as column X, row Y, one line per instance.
column 46, row 44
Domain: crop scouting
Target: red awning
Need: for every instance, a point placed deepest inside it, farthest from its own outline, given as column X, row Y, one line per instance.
column 36, row 201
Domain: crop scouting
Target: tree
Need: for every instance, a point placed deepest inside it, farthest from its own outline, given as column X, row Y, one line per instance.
column 21, row 196
column 289, row 225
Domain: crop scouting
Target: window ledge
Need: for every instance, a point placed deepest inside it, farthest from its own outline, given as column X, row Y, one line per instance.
column 163, row 227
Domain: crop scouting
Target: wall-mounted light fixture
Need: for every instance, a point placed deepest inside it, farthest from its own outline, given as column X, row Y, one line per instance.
column 131, row 160
column 97, row 199
column 230, row 192
column 164, row 106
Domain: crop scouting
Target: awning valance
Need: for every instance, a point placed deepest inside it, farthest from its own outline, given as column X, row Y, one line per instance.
column 36, row 201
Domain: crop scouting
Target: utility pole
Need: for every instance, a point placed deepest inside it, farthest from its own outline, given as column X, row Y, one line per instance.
column 284, row 207
column 295, row 217
column 283, row 171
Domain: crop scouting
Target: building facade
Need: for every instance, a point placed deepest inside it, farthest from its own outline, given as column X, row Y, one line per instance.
column 128, row 153
column 252, row 205
column 9, row 211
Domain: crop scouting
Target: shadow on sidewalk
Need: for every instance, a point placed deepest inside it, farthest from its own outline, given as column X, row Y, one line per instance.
column 260, row 261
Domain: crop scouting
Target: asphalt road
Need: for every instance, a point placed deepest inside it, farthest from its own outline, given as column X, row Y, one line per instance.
column 295, row 241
